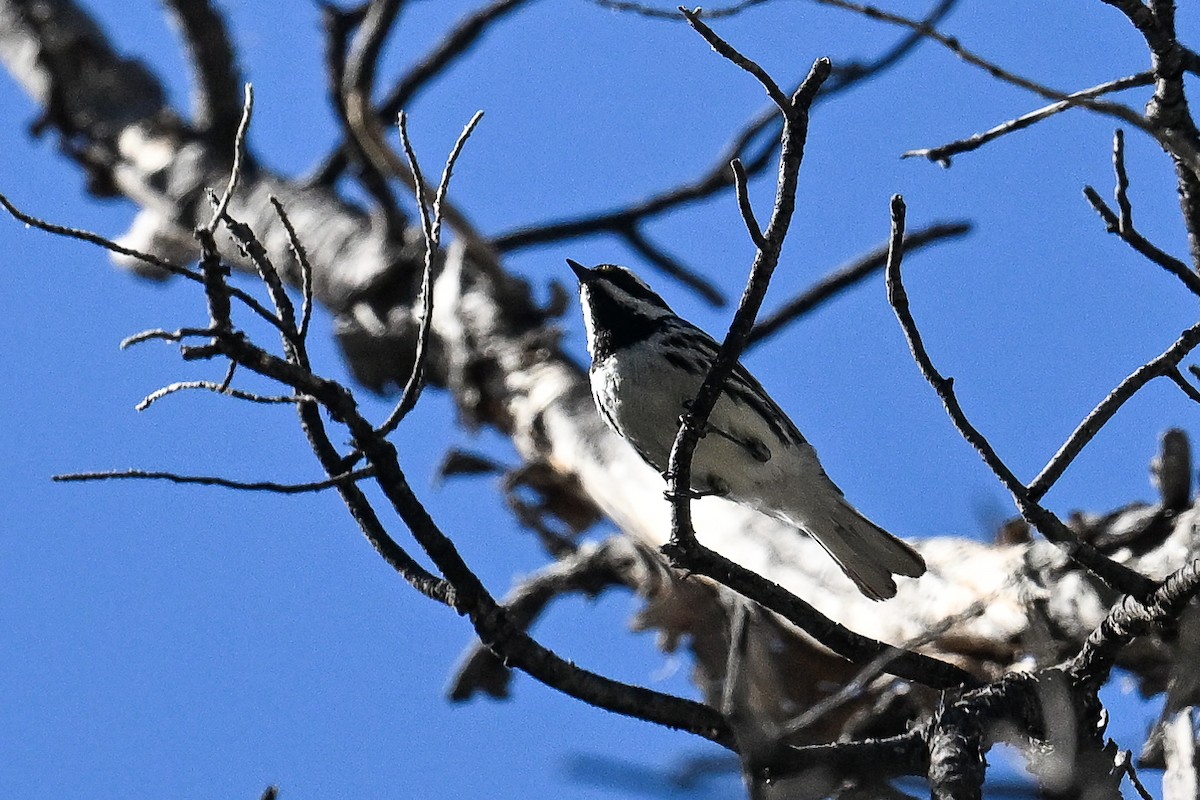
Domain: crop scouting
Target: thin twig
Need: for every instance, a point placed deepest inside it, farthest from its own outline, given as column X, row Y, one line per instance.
column 1121, row 223
column 729, row 53
column 1161, row 366
column 1124, row 207
column 227, row 381
column 217, row 388
column 847, row 276
column 657, row 257
column 213, row 480
column 239, row 153
column 98, row 240
column 1180, row 146
column 1125, row 764
column 254, row 250
column 146, row 258
column 306, row 271
column 643, row 10
column 1183, row 383
column 741, row 185
column 158, row 334
column 942, row 154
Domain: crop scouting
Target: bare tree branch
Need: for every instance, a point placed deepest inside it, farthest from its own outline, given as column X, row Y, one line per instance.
column 1140, row 243
column 1161, row 366
column 494, row 360
column 213, row 480
column 589, row 571
column 460, row 588
column 431, row 224
column 1052, row 527
column 217, row 388
column 454, row 45
column 114, row 247
column 239, row 153
column 742, row 186
column 684, row 549
column 1182, row 146
column 1168, row 112
column 626, row 222
column 942, row 154
column 306, row 271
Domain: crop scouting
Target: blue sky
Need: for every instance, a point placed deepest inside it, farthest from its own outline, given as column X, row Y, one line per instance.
column 198, row 642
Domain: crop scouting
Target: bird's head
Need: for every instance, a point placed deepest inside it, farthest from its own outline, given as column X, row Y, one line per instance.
column 618, row 307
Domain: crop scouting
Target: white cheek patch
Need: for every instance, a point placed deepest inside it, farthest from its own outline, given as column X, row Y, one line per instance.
column 585, row 299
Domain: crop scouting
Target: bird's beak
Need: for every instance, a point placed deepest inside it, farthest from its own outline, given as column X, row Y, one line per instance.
column 581, row 272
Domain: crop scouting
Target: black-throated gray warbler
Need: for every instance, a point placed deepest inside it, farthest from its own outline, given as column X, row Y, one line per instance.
column 647, row 365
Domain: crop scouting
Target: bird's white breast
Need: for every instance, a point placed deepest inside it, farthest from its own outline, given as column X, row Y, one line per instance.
column 644, row 395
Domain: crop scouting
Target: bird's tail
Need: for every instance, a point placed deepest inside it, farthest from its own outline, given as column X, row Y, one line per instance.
column 868, row 554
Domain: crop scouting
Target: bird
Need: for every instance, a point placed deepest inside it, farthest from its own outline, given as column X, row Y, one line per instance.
column 647, row 366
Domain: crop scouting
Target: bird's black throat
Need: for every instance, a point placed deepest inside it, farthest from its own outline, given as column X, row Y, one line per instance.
column 615, row 328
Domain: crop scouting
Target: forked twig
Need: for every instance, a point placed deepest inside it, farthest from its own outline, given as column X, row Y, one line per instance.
column 1186, row 150
column 1121, row 223
column 431, row 225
